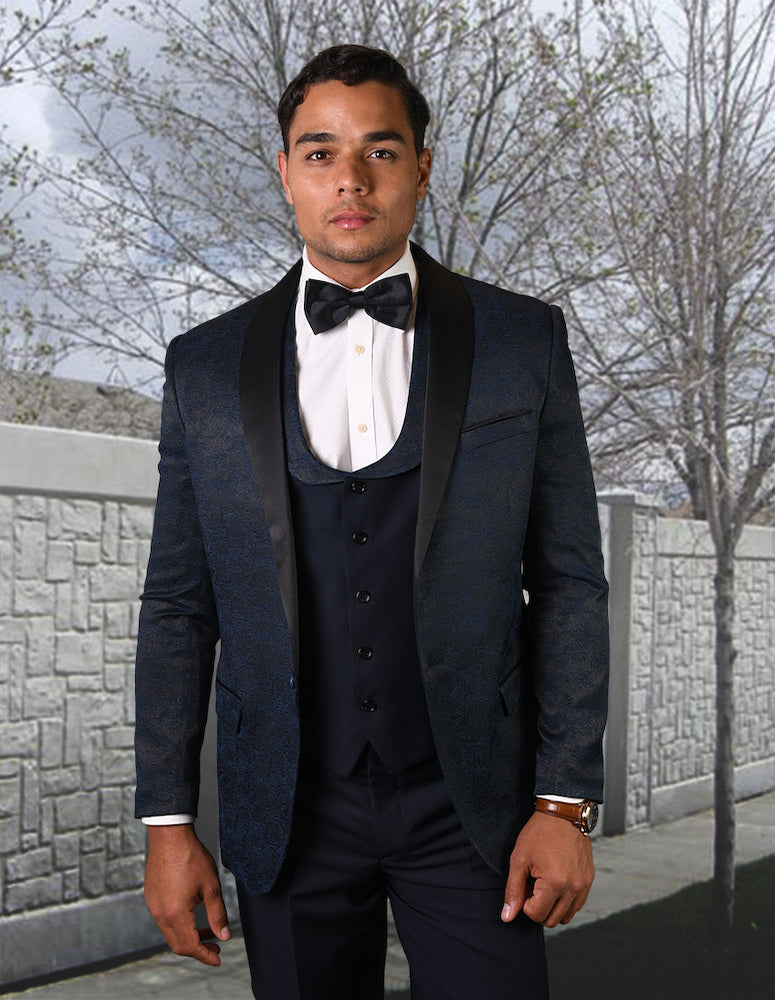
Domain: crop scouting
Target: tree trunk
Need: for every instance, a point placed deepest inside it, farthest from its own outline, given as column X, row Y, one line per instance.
column 724, row 789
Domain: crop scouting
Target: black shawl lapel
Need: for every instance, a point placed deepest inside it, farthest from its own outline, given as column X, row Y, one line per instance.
column 262, row 422
column 450, row 357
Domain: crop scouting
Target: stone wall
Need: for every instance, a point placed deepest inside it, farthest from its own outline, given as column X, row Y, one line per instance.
column 76, row 513
column 67, row 651
column 660, row 736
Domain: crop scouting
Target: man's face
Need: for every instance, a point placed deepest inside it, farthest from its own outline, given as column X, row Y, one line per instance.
column 353, row 178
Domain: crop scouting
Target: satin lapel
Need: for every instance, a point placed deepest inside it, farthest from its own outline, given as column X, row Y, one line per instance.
column 450, row 357
column 262, row 422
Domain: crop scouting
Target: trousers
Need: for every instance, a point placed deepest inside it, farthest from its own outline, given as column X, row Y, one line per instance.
column 321, row 932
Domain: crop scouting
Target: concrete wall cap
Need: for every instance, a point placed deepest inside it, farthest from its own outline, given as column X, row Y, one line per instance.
column 56, row 462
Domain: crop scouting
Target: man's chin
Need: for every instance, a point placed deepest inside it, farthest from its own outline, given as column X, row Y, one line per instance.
column 355, row 254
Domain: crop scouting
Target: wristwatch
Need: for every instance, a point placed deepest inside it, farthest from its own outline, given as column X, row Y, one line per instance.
column 583, row 815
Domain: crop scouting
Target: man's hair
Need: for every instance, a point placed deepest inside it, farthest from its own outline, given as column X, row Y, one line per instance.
column 351, row 65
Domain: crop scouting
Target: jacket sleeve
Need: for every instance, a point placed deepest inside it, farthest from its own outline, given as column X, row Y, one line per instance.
column 177, row 632
column 567, row 592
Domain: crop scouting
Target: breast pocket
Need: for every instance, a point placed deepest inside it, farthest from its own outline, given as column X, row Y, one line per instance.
column 494, row 430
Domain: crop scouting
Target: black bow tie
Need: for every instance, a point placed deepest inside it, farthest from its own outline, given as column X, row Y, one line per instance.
column 388, row 301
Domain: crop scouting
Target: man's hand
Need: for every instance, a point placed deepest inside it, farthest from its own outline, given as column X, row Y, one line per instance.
column 179, row 874
column 556, row 858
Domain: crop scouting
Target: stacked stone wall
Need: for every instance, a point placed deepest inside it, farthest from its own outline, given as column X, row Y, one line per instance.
column 684, row 670
column 73, row 570
column 684, row 664
column 755, row 667
column 641, row 663
column 73, row 553
column 663, row 637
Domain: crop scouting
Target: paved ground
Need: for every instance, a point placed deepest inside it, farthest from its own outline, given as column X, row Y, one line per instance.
column 635, row 868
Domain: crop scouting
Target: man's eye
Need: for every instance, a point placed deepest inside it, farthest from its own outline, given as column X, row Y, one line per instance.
column 383, row 154
column 317, row 154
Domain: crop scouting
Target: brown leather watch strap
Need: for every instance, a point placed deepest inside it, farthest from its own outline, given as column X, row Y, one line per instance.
column 583, row 815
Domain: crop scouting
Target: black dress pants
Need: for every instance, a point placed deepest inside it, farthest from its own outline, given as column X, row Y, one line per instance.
column 320, row 934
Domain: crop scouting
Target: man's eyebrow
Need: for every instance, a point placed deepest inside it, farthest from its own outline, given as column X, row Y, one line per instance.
column 387, row 135
column 384, row 135
column 315, row 137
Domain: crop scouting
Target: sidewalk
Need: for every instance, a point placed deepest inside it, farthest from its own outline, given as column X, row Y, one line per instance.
column 635, row 868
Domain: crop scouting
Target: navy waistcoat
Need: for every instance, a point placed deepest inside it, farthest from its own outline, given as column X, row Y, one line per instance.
column 359, row 673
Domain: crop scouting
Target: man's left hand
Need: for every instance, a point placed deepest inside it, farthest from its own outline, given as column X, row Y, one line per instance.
column 556, row 858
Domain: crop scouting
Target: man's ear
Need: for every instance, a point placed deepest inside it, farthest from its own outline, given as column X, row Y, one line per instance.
column 423, row 173
column 282, row 166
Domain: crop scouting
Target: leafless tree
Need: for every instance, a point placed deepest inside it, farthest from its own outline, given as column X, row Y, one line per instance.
column 679, row 347
column 25, row 35
column 173, row 209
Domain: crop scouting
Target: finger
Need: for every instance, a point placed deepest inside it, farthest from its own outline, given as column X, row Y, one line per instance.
column 517, row 889
column 216, row 913
column 205, row 952
column 571, row 913
column 576, row 904
column 183, row 939
column 540, row 904
column 558, row 912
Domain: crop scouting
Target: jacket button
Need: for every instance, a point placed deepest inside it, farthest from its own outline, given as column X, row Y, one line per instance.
column 363, row 596
column 358, row 486
column 292, row 680
column 365, row 652
column 368, row 705
column 360, row 537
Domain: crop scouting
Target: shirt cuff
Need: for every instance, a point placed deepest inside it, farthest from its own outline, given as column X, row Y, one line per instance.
column 559, row 798
column 173, row 819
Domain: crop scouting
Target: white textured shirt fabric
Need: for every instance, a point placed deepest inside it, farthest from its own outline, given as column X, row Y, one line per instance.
column 353, row 387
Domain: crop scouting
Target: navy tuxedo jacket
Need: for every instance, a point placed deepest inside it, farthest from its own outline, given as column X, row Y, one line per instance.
column 516, row 691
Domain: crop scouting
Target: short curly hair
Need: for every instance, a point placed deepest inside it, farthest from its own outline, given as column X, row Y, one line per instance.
column 351, row 65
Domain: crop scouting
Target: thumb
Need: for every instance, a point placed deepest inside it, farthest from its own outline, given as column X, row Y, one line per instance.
column 516, row 888
column 217, row 917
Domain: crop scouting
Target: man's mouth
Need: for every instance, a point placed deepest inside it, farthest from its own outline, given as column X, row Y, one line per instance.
column 351, row 220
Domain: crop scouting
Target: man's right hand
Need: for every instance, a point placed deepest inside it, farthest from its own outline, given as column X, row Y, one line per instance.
column 180, row 873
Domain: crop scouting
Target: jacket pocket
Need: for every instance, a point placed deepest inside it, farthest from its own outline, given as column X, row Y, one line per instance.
column 510, row 690
column 228, row 708
column 493, row 430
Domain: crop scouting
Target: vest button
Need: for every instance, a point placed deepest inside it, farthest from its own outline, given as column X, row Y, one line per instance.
column 358, row 486
column 363, row 596
column 365, row 652
column 368, row 705
column 360, row 537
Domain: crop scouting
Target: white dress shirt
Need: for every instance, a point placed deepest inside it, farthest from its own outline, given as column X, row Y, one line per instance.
column 353, row 388
column 353, row 380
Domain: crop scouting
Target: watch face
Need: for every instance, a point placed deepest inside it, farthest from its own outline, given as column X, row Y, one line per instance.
column 589, row 816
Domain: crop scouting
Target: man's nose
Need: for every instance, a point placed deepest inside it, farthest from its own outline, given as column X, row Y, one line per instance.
column 353, row 175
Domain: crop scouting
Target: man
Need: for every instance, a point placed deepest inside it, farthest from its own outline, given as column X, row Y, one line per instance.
column 354, row 491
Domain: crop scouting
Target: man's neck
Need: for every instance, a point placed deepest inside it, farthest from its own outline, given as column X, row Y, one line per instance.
column 356, row 274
